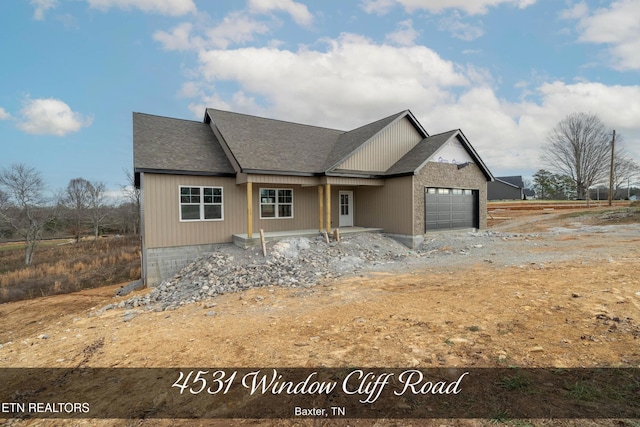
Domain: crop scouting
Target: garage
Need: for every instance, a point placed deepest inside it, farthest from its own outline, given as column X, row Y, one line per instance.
column 450, row 208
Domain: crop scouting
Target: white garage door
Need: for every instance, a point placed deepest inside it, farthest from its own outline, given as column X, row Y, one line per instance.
column 450, row 208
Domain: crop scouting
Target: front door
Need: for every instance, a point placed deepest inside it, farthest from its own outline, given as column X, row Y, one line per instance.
column 346, row 208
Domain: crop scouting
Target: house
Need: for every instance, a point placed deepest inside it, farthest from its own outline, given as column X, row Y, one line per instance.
column 225, row 178
column 506, row 188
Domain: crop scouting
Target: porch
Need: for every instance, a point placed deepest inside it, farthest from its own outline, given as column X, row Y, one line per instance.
column 243, row 240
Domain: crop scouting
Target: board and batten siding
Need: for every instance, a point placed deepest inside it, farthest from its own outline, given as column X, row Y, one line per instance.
column 162, row 226
column 305, row 209
column 389, row 207
column 384, row 149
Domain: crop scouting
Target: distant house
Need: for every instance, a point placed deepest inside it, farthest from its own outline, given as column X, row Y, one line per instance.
column 224, row 179
column 506, row 188
column 529, row 194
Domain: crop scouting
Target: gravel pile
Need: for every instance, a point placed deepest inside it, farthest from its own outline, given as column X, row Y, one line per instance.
column 304, row 262
column 290, row 263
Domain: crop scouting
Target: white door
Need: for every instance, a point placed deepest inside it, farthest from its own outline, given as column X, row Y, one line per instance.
column 346, row 208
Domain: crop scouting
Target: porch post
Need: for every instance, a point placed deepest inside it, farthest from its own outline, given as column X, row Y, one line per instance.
column 320, row 207
column 249, row 210
column 327, row 206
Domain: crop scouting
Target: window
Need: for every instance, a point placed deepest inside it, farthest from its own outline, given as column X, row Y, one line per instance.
column 276, row 203
column 201, row 204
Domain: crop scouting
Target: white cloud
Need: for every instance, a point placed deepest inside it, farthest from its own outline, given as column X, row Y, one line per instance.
column 379, row 7
column 41, row 6
column 179, row 38
column 471, row 7
column 405, row 35
column 509, row 136
column 235, row 28
column 298, row 11
column 577, row 11
column 50, row 116
column 4, row 115
column 354, row 81
column 616, row 26
column 345, row 85
column 164, row 7
column 459, row 29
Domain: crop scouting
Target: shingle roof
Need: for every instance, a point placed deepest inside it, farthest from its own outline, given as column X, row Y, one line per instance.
column 163, row 143
column 419, row 154
column 513, row 180
column 261, row 145
column 265, row 144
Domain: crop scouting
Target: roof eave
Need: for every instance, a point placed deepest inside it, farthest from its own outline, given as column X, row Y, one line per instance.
column 279, row 172
column 184, row 172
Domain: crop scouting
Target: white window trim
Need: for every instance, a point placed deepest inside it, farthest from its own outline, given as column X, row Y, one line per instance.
column 276, row 203
column 202, row 204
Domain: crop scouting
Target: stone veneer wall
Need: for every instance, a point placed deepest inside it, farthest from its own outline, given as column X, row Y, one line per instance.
column 448, row 176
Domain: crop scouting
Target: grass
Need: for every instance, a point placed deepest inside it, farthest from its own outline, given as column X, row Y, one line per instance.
column 515, row 382
column 67, row 268
column 582, row 391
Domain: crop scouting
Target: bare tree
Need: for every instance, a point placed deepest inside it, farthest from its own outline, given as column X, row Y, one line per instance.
column 97, row 206
column 86, row 201
column 24, row 205
column 132, row 193
column 76, row 199
column 625, row 169
column 578, row 146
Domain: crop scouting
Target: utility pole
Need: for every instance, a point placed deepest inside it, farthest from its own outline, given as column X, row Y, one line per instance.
column 613, row 143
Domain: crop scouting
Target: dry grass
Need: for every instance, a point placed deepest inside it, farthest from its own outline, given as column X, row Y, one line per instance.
column 68, row 268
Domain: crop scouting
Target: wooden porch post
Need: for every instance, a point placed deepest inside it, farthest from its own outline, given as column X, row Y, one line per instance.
column 320, row 208
column 327, row 206
column 249, row 210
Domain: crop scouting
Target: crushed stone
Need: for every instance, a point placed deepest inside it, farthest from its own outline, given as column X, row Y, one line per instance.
column 305, row 262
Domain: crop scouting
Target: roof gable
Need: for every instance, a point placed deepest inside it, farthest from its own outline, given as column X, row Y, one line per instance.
column 384, row 147
column 350, row 144
column 421, row 154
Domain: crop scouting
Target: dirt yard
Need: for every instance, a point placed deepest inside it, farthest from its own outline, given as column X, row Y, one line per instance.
column 566, row 314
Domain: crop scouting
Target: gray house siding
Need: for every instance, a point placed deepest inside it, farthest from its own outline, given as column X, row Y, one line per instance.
column 499, row 190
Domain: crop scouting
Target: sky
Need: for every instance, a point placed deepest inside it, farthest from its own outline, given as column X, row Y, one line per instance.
column 504, row 71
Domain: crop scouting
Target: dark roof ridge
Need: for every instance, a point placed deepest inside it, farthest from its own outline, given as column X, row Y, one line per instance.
column 167, row 117
column 379, row 120
column 442, row 133
column 276, row 120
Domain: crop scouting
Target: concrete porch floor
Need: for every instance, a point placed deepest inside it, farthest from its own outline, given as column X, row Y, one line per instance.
column 243, row 241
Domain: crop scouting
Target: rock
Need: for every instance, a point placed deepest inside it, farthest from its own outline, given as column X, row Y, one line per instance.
column 125, row 290
column 43, row 336
column 536, row 349
column 211, row 313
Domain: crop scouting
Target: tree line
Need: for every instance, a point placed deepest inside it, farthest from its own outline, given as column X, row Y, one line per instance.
column 82, row 208
column 580, row 152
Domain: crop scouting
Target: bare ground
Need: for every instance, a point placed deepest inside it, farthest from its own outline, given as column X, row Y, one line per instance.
column 566, row 314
